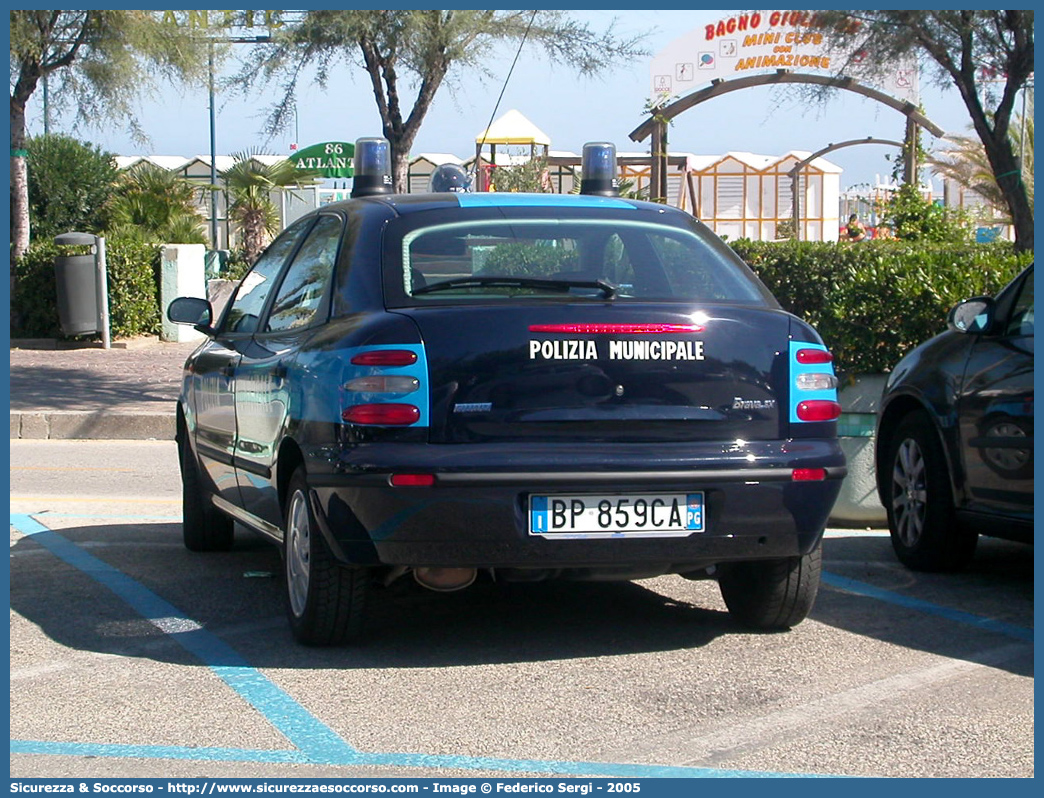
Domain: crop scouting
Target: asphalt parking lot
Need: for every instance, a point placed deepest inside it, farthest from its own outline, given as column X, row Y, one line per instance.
column 131, row 656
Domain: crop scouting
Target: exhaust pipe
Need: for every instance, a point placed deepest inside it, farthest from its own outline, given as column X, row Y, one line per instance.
column 445, row 580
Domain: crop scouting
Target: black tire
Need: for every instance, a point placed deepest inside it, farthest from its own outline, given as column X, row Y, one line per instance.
column 919, row 502
column 325, row 600
column 771, row 594
column 203, row 526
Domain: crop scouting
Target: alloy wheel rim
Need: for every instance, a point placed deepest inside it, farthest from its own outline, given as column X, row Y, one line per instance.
column 909, row 492
column 298, row 551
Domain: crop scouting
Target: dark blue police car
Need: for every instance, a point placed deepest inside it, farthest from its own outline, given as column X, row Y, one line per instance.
column 538, row 386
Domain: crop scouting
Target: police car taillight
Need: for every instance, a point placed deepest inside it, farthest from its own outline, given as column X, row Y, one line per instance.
column 808, row 474
column 412, row 480
column 385, row 415
column 818, row 410
column 383, row 383
column 598, row 170
column 646, row 328
column 385, row 357
column 808, row 356
column 372, row 167
column 815, row 381
column 813, row 395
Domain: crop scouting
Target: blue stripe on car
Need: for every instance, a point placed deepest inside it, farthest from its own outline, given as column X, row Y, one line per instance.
column 797, row 369
column 419, row 370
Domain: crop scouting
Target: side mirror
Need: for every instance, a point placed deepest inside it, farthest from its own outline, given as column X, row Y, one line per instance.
column 972, row 315
column 192, row 310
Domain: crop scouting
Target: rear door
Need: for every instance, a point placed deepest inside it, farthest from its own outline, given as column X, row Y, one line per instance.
column 263, row 386
column 217, row 368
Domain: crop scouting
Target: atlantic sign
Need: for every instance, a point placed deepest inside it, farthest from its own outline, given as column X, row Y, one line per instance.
column 329, row 159
column 756, row 42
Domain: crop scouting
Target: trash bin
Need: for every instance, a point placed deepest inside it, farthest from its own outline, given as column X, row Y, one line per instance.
column 76, row 280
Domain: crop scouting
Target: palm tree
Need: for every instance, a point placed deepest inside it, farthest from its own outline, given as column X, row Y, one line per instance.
column 966, row 164
column 153, row 204
column 250, row 183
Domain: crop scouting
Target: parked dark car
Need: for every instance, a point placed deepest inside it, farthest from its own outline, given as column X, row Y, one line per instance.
column 534, row 386
column 954, row 452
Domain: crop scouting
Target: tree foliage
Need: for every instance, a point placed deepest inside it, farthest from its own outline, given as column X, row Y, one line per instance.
column 69, row 184
column 987, row 55
column 964, row 161
column 409, row 54
column 98, row 61
column 250, row 184
column 912, row 217
column 529, row 176
column 155, row 205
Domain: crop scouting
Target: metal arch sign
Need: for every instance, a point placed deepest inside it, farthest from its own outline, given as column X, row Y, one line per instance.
column 329, row 159
column 756, row 42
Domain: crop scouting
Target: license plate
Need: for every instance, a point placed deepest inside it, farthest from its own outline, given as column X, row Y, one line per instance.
column 616, row 515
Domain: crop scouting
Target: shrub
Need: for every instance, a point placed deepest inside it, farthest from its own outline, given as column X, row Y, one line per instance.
column 132, row 281
column 235, row 266
column 154, row 205
column 913, row 217
column 70, row 183
column 872, row 302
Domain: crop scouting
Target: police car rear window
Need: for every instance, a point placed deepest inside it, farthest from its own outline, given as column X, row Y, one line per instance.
column 540, row 259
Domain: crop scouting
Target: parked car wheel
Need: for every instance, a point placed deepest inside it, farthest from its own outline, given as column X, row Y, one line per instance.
column 325, row 600
column 772, row 594
column 921, row 519
column 203, row 526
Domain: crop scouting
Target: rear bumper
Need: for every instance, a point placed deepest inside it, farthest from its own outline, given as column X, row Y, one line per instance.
column 476, row 514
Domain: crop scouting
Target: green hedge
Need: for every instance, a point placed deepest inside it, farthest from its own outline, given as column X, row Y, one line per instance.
column 874, row 301
column 133, row 280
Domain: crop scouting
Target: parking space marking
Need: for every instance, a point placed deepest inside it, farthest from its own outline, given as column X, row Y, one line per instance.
column 856, row 533
column 71, row 468
column 889, row 597
column 787, row 723
column 145, row 519
column 316, row 743
column 299, row 726
column 426, row 761
column 98, row 499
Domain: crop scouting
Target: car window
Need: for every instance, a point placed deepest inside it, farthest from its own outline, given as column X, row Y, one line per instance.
column 301, row 291
column 492, row 259
column 244, row 312
column 1021, row 321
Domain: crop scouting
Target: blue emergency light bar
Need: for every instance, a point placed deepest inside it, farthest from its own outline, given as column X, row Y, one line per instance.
column 598, row 170
column 372, row 167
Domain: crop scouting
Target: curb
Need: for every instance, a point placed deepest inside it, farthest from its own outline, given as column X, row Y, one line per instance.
column 59, row 344
column 98, row 425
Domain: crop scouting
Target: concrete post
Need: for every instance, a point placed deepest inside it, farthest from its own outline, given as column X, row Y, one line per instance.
column 181, row 274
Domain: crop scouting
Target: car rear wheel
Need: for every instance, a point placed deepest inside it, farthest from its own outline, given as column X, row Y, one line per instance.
column 772, row 594
column 919, row 502
column 325, row 599
column 203, row 526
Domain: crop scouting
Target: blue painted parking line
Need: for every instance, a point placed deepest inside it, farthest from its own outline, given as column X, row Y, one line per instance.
column 393, row 760
column 144, row 519
column 988, row 624
column 300, row 727
column 316, row 742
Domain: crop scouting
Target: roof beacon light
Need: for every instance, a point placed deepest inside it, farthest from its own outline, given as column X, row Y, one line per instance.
column 598, row 170
column 372, row 167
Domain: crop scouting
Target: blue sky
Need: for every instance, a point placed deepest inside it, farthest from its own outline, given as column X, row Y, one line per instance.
column 570, row 110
